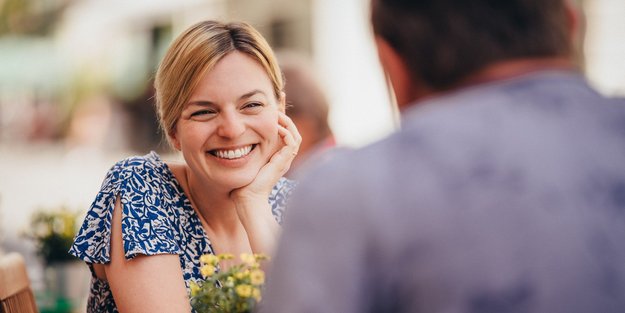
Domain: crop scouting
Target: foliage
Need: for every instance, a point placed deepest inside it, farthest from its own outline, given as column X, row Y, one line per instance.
column 53, row 233
column 235, row 290
column 31, row 17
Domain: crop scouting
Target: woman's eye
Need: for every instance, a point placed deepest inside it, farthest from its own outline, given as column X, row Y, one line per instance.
column 252, row 105
column 201, row 113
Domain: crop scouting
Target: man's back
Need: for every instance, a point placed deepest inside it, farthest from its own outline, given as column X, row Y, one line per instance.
column 507, row 197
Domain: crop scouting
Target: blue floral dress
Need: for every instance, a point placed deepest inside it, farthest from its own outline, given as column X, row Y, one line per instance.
column 157, row 218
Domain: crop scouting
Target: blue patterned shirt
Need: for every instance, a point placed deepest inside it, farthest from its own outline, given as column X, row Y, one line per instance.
column 157, row 218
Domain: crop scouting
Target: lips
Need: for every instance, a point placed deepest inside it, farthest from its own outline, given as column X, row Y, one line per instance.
column 230, row 154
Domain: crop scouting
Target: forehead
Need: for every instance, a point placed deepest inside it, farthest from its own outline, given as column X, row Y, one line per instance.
column 232, row 76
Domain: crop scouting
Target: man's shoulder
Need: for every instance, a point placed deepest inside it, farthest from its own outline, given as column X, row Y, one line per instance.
column 364, row 172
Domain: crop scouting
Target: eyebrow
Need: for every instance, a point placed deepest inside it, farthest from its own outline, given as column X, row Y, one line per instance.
column 252, row 93
column 244, row 96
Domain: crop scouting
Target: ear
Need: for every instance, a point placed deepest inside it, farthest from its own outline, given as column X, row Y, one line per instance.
column 173, row 139
column 575, row 22
column 397, row 71
column 282, row 102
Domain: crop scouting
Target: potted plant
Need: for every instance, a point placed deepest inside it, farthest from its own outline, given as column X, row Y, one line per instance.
column 53, row 231
column 235, row 290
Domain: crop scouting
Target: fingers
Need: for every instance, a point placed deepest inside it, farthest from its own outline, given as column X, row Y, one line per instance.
column 279, row 163
column 287, row 137
column 286, row 122
column 282, row 158
column 289, row 133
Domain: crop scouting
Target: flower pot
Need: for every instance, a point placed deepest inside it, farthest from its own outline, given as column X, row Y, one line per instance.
column 67, row 283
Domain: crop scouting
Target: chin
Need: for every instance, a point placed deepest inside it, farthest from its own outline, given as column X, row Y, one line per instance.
column 238, row 180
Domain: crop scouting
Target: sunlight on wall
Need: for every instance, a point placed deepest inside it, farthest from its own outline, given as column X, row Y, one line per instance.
column 348, row 63
column 605, row 45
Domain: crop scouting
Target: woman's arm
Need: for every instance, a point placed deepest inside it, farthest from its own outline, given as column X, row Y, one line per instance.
column 251, row 202
column 261, row 227
column 144, row 283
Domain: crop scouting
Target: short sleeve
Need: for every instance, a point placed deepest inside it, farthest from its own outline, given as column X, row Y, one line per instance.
column 147, row 216
column 279, row 196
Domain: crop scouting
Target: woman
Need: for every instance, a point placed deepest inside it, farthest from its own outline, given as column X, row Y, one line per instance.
column 220, row 102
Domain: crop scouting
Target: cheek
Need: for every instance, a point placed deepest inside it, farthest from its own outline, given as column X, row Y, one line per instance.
column 269, row 128
column 270, row 123
column 193, row 135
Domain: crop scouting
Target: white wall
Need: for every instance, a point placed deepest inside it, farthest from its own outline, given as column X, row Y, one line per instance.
column 605, row 45
column 347, row 63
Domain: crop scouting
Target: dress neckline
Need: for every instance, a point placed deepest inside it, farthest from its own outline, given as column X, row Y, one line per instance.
column 187, row 205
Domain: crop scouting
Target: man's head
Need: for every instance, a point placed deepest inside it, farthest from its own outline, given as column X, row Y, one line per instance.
column 440, row 43
column 307, row 104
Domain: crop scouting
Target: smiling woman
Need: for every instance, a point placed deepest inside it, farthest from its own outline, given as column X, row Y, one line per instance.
column 220, row 103
column 229, row 128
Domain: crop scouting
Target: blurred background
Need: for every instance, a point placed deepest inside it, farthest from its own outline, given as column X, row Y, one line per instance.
column 76, row 88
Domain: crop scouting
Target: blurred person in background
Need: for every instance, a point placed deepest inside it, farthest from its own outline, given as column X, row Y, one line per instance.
column 504, row 191
column 220, row 102
column 307, row 106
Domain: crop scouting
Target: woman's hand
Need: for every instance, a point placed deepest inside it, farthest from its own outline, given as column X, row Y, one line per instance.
column 251, row 201
column 278, row 164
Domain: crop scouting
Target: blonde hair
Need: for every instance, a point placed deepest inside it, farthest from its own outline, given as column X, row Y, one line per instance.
column 194, row 53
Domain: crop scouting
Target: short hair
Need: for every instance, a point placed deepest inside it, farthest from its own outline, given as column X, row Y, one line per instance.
column 444, row 41
column 195, row 52
column 304, row 94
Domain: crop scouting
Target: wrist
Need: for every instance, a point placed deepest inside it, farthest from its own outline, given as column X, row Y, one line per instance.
column 253, row 209
column 260, row 225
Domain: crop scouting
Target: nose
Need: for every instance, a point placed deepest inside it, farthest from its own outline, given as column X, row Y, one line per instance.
column 231, row 125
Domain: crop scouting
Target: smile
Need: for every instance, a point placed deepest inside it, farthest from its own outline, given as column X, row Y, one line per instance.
column 232, row 154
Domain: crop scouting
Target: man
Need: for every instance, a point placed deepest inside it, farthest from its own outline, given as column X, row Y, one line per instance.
column 308, row 107
column 504, row 191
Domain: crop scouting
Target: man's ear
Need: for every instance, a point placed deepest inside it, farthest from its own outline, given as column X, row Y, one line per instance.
column 282, row 102
column 573, row 14
column 397, row 72
column 576, row 25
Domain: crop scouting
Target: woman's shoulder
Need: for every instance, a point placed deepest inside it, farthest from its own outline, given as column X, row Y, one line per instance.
column 136, row 168
column 145, row 163
column 148, row 196
column 148, row 187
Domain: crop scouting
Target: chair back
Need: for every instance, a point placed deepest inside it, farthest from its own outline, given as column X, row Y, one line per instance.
column 16, row 294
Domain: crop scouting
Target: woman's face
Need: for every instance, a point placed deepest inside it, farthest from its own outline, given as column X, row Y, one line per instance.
column 229, row 128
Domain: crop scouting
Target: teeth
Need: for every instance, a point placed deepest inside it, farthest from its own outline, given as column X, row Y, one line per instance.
column 233, row 154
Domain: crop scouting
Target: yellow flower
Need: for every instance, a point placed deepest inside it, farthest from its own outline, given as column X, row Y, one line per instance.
column 244, row 291
column 229, row 282
column 209, row 259
column 241, row 275
column 226, row 256
column 261, row 257
column 240, row 284
column 195, row 288
column 248, row 258
column 256, row 294
column 257, row 277
column 207, row 270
